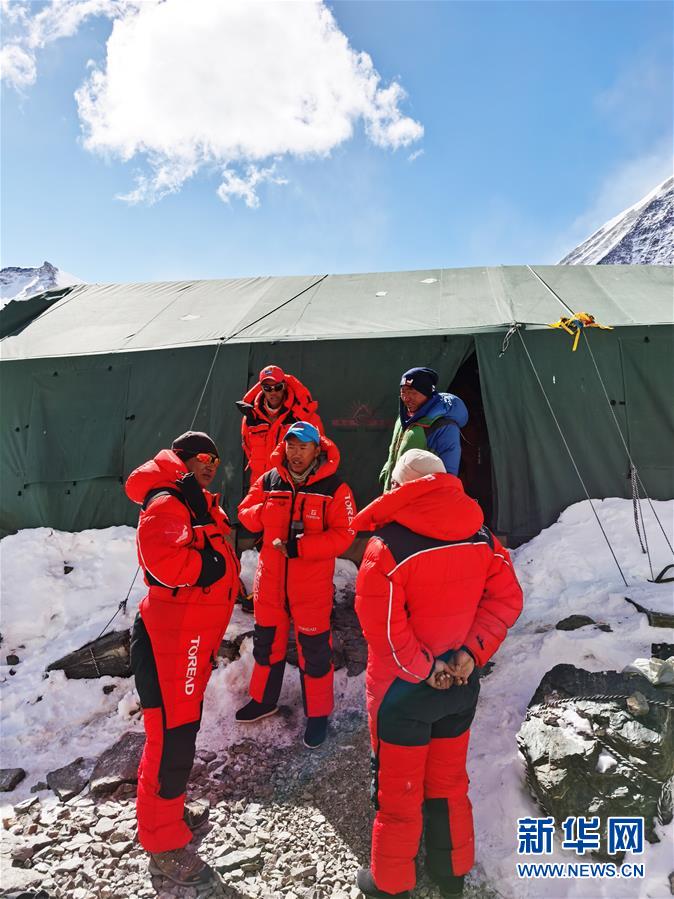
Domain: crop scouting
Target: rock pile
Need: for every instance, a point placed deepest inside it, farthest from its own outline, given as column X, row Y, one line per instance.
column 283, row 825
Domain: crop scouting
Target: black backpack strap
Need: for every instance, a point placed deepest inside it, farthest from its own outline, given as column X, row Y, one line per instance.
column 440, row 423
column 164, row 491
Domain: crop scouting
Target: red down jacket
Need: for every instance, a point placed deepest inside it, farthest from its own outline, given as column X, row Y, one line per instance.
column 176, row 613
column 260, row 436
column 325, row 506
column 432, row 579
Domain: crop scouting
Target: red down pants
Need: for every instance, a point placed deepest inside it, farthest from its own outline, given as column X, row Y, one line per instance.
column 168, row 754
column 314, row 652
column 420, row 784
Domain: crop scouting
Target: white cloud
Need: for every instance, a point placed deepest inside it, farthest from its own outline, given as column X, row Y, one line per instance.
column 232, row 87
column 30, row 31
column 17, row 66
column 415, row 155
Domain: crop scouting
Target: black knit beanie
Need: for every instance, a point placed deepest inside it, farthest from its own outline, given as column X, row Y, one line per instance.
column 192, row 442
column 422, row 379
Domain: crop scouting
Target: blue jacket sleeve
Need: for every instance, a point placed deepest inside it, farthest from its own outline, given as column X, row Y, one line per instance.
column 446, row 443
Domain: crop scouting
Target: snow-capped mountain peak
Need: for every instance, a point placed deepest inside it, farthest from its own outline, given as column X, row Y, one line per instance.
column 640, row 235
column 22, row 283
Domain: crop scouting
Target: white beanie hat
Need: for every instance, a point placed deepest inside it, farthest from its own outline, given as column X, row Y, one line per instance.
column 416, row 463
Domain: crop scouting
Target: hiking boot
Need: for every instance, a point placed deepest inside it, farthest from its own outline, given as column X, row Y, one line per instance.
column 368, row 887
column 195, row 814
column 182, row 866
column 316, row 732
column 246, row 601
column 255, row 711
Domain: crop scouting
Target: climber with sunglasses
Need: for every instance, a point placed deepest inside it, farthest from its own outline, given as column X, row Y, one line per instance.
column 192, row 578
column 272, row 405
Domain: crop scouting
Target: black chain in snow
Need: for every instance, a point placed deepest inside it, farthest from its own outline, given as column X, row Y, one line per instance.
column 595, row 697
column 635, row 506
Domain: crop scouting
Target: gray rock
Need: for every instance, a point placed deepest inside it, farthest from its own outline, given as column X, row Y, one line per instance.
column 17, row 880
column 566, row 731
column 118, row 765
column 70, row 780
column 573, row 622
column 637, row 704
column 231, row 860
column 10, row 778
column 29, row 847
column 13, row 659
column 108, row 655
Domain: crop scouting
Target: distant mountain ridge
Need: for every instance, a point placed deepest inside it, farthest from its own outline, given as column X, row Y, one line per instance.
column 640, row 235
column 21, row 283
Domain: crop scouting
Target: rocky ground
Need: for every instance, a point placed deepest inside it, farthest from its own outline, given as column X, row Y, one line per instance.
column 291, row 824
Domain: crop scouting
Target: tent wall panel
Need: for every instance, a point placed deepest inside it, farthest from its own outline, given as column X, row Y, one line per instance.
column 356, row 384
column 534, row 477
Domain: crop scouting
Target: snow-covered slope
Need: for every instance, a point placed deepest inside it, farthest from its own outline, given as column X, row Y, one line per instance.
column 22, row 283
column 565, row 570
column 641, row 235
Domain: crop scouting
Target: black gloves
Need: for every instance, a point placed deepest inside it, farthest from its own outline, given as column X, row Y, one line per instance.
column 212, row 566
column 194, row 497
column 291, row 547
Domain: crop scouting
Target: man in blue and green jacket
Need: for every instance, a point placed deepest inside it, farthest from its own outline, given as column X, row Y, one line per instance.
column 428, row 420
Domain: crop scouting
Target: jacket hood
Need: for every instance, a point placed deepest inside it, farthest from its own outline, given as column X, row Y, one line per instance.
column 297, row 395
column 162, row 471
column 440, row 405
column 328, row 461
column 433, row 506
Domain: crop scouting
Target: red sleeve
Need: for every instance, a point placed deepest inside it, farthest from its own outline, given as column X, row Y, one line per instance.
column 498, row 609
column 164, row 537
column 244, row 440
column 380, row 605
column 251, row 506
column 338, row 535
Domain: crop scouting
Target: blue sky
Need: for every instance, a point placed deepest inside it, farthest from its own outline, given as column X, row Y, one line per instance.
column 540, row 121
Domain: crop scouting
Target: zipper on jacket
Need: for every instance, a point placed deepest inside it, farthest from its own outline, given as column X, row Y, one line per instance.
column 290, row 525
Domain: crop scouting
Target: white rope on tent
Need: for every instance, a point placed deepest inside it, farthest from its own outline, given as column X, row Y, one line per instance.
column 573, row 461
column 636, row 477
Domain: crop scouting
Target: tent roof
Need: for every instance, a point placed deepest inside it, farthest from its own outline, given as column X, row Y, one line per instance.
column 109, row 318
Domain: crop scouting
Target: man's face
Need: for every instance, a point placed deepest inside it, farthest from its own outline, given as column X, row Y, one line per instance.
column 204, row 472
column 300, row 455
column 274, row 393
column 412, row 399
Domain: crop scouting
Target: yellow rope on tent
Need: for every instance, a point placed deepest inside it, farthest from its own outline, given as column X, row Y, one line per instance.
column 576, row 323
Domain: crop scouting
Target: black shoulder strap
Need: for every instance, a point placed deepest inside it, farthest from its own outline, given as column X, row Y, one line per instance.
column 164, row 491
column 440, row 423
column 403, row 542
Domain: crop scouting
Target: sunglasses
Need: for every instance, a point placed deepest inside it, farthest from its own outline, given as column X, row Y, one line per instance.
column 208, row 459
column 273, row 388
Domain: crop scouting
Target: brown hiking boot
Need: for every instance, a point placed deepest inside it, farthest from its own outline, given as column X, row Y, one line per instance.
column 182, row 866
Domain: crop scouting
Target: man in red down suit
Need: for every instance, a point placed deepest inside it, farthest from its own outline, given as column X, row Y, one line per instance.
column 435, row 595
column 304, row 510
column 192, row 574
column 269, row 408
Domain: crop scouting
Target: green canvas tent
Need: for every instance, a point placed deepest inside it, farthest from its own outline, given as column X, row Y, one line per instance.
column 98, row 378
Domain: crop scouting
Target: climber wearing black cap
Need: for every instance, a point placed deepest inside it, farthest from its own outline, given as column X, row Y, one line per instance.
column 427, row 420
column 192, row 576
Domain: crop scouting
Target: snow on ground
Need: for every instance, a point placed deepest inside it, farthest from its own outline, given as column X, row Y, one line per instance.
column 567, row 569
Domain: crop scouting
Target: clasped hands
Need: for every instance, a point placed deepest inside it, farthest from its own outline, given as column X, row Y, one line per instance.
column 456, row 671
